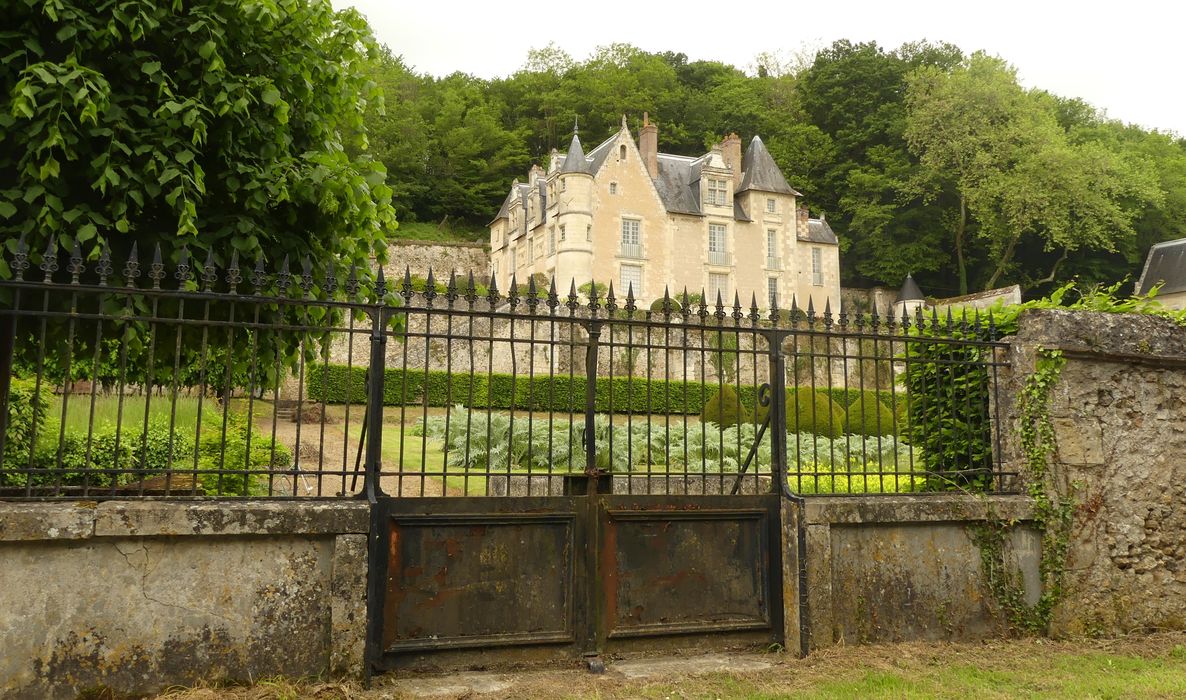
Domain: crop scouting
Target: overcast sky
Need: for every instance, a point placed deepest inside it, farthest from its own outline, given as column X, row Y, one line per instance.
column 1127, row 58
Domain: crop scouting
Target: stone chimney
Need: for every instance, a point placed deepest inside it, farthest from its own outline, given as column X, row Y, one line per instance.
column 731, row 153
column 801, row 226
column 648, row 146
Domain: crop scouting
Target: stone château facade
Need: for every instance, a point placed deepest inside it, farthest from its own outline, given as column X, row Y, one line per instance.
column 724, row 222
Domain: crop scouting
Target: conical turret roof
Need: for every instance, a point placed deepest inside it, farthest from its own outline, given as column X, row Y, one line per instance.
column 910, row 290
column 575, row 161
column 760, row 172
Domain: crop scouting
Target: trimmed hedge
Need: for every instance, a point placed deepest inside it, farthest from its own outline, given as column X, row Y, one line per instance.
column 415, row 387
column 869, row 416
column 726, row 409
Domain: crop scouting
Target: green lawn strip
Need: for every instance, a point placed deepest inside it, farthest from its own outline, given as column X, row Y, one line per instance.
column 428, row 231
column 1087, row 675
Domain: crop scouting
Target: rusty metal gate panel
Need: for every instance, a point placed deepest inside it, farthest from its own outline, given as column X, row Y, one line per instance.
column 464, row 576
column 475, row 582
column 676, row 571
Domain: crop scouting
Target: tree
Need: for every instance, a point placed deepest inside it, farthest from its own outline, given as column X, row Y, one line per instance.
column 214, row 128
column 1013, row 168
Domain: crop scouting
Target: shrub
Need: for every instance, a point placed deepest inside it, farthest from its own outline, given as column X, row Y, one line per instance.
column 342, row 384
column 725, row 409
column 867, row 415
column 26, row 419
column 811, row 411
column 233, row 466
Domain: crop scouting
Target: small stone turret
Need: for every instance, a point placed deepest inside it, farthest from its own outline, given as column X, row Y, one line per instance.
column 574, row 257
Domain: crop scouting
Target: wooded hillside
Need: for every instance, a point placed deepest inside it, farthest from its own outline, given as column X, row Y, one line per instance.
column 924, row 159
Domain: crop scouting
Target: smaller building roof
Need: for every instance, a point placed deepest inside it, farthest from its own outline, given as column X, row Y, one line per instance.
column 1166, row 263
column 910, row 290
column 818, row 231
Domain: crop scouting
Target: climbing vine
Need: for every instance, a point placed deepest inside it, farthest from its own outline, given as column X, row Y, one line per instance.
column 1052, row 513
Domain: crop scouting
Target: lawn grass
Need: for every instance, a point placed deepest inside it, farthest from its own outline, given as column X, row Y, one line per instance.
column 130, row 416
column 448, row 233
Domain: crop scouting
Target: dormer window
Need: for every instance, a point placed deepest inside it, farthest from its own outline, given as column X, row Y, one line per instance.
column 622, row 152
column 718, row 194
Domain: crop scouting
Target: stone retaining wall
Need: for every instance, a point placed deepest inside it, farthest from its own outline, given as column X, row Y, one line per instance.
column 136, row 596
column 1119, row 413
column 905, row 568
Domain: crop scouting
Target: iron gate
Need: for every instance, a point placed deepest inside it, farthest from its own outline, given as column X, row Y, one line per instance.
column 550, row 475
column 558, row 577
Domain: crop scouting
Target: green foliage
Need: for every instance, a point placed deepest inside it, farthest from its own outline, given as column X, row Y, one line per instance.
column 26, row 420
column 335, row 383
column 120, row 454
column 557, row 444
column 219, row 127
column 811, row 411
column 232, row 465
column 867, row 415
column 725, row 409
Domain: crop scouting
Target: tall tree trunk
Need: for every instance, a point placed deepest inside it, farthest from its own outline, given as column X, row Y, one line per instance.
column 959, row 246
column 1005, row 258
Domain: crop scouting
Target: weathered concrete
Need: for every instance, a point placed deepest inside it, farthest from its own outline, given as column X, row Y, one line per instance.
column 1119, row 416
column 906, row 568
column 138, row 596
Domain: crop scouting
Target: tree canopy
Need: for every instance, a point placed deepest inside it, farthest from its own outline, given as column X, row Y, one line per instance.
column 220, row 126
column 1036, row 189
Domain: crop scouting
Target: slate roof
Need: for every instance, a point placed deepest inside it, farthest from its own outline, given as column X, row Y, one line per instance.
column 575, row 161
column 504, row 212
column 760, row 172
column 910, row 290
column 818, row 231
column 678, row 183
column 1166, row 263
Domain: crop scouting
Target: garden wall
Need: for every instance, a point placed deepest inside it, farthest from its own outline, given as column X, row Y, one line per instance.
column 441, row 258
column 906, row 568
column 136, row 596
column 1118, row 410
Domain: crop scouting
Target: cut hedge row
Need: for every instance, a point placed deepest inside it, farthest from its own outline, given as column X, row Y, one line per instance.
column 341, row 384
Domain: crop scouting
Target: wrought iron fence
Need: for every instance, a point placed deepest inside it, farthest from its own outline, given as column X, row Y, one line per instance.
column 190, row 381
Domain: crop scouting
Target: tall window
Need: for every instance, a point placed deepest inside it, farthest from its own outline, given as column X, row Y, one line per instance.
column 817, row 267
column 551, row 241
column 562, row 232
column 718, row 194
column 530, row 248
column 772, row 291
column 631, row 278
column 622, row 152
column 514, row 266
column 631, row 239
column 770, row 205
column 588, row 232
column 718, row 249
column 563, row 185
column 717, row 284
column 613, row 188
column 772, row 249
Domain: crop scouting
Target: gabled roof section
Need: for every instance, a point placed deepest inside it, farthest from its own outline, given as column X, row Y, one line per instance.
column 818, row 231
column 598, row 155
column 678, row 183
column 575, row 161
column 760, row 172
column 505, row 211
column 1166, row 263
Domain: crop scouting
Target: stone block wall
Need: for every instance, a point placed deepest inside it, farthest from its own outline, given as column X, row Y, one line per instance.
column 137, row 596
column 906, row 568
column 1119, row 414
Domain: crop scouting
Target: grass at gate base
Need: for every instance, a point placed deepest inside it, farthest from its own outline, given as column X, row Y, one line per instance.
column 1131, row 667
